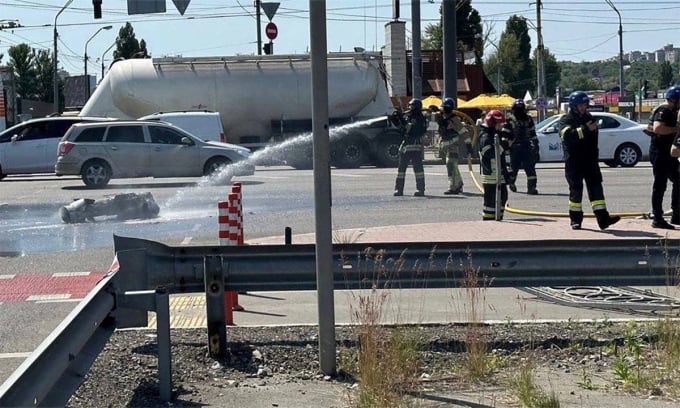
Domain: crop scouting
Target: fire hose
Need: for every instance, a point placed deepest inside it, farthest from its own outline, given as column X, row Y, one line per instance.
column 520, row 211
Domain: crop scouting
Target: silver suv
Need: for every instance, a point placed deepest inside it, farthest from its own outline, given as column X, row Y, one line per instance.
column 99, row 152
column 31, row 146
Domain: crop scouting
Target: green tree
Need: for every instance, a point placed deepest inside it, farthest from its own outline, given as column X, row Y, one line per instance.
column 665, row 74
column 506, row 61
column 521, row 76
column 468, row 31
column 127, row 45
column 22, row 62
column 552, row 71
column 44, row 79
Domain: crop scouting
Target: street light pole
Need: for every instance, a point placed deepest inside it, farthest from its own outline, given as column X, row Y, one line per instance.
column 108, row 27
column 104, row 53
column 55, row 76
column 611, row 4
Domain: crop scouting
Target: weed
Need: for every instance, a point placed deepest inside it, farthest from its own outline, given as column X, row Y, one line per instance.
column 347, row 236
column 586, row 381
column 529, row 393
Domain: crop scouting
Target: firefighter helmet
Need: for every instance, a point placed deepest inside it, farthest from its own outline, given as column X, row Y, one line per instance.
column 673, row 93
column 448, row 103
column 493, row 118
column 518, row 104
column 577, row 98
column 416, row 104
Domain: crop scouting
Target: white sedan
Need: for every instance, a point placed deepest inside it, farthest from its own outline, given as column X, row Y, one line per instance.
column 622, row 141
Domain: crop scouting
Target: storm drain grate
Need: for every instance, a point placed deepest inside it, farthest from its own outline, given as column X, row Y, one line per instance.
column 608, row 297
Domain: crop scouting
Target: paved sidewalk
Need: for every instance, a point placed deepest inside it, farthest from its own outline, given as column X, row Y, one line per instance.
column 536, row 228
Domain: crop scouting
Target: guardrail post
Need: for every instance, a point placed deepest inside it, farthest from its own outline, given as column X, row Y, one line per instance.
column 214, row 302
column 163, row 333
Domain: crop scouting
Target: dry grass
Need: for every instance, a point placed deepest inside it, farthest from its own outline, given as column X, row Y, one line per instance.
column 386, row 360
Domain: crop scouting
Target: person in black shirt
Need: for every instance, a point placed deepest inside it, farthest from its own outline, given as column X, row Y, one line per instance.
column 662, row 129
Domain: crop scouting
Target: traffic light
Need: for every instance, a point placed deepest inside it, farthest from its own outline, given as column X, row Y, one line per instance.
column 643, row 91
column 97, row 8
column 268, row 48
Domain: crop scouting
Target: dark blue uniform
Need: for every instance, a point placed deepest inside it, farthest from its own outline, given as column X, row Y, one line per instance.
column 664, row 166
column 581, row 155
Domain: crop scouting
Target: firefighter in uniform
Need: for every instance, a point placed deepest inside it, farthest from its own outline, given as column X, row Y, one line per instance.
column 524, row 151
column 413, row 126
column 450, row 127
column 579, row 135
column 662, row 129
column 491, row 127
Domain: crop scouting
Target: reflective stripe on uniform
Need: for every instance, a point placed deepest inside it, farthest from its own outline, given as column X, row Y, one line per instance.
column 598, row 205
column 575, row 206
column 580, row 132
column 564, row 131
column 412, row 148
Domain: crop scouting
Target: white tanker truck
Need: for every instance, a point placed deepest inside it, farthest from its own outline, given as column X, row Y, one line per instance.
column 261, row 100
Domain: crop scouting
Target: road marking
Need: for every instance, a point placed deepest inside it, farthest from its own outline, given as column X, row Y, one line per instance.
column 68, row 274
column 47, row 287
column 15, row 355
column 43, row 298
column 351, row 175
column 70, row 300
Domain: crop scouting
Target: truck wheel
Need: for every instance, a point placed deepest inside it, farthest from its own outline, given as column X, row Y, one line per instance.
column 350, row 153
column 96, row 173
column 387, row 152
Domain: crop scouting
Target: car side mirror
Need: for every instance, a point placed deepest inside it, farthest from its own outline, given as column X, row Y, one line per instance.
column 187, row 141
column 14, row 138
column 550, row 129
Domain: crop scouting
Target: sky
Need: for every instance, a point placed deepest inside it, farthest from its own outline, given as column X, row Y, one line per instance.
column 576, row 30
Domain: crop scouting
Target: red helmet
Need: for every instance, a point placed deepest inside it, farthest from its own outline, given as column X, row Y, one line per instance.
column 493, row 118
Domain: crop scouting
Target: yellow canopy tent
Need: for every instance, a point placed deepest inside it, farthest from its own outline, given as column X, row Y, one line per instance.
column 436, row 101
column 431, row 101
column 484, row 101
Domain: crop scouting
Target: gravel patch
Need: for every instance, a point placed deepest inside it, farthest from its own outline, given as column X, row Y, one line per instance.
column 278, row 367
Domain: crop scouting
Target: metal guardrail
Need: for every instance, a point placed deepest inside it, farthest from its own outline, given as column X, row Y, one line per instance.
column 149, row 271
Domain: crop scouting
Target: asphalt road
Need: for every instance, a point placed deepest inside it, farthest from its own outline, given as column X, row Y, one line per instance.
column 34, row 241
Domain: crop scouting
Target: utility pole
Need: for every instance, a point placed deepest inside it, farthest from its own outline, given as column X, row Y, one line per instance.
column 540, row 72
column 258, row 14
column 417, row 60
column 450, row 39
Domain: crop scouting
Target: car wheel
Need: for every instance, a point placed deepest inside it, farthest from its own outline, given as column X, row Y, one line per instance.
column 96, row 173
column 350, row 152
column 215, row 165
column 387, row 151
column 2, row 175
column 628, row 155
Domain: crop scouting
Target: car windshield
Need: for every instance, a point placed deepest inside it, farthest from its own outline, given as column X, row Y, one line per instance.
column 547, row 121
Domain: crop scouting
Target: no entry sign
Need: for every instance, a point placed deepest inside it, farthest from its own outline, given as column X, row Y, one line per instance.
column 271, row 31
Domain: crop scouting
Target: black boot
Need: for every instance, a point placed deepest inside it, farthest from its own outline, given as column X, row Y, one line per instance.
column 604, row 220
column 675, row 218
column 576, row 218
column 662, row 224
